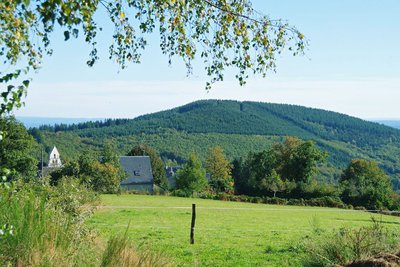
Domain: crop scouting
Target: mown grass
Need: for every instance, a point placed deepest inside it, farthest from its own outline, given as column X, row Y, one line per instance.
column 226, row 233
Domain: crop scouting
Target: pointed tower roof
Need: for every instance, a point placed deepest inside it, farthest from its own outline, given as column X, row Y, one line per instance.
column 54, row 151
column 54, row 158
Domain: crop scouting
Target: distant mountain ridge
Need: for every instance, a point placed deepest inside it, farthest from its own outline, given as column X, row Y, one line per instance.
column 239, row 127
column 250, row 118
column 391, row 123
column 30, row 122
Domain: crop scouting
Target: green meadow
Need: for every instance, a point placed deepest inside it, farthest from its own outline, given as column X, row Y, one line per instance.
column 226, row 233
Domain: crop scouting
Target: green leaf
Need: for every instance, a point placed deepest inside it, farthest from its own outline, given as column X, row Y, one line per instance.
column 66, row 35
column 26, row 83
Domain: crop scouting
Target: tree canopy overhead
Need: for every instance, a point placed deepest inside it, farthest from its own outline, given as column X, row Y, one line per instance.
column 224, row 33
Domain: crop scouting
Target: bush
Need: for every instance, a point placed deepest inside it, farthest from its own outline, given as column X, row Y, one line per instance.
column 275, row 201
column 327, row 201
column 256, row 200
column 346, row 244
column 296, row 202
column 180, row 193
column 222, row 196
column 70, row 195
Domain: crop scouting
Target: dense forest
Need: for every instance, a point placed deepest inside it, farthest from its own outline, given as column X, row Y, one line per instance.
column 239, row 128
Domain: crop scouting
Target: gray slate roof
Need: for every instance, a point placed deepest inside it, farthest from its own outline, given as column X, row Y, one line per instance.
column 138, row 169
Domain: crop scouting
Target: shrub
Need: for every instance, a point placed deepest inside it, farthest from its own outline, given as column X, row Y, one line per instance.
column 222, row 196
column 70, row 195
column 275, row 200
column 296, row 202
column 327, row 201
column 256, row 200
column 180, row 193
column 346, row 244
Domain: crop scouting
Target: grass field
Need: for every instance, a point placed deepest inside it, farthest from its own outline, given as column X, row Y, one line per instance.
column 226, row 233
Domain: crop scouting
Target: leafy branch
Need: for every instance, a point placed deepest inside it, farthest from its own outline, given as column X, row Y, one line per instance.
column 225, row 34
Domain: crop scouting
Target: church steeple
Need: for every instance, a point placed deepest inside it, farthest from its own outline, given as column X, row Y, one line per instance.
column 54, row 158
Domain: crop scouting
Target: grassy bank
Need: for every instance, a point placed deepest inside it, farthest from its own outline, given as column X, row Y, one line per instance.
column 227, row 233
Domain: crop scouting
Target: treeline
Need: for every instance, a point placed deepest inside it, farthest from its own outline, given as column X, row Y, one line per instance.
column 175, row 145
column 287, row 170
column 83, row 125
column 285, row 174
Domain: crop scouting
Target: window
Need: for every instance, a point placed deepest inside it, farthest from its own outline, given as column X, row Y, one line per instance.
column 136, row 173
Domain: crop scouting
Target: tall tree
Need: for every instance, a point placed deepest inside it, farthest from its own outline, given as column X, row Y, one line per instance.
column 273, row 182
column 284, row 167
column 363, row 183
column 192, row 178
column 219, row 169
column 259, row 169
column 240, row 182
column 109, row 156
column 17, row 149
column 223, row 33
column 298, row 160
column 157, row 165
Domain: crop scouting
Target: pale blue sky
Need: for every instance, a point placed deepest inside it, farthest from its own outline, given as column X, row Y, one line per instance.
column 352, row 67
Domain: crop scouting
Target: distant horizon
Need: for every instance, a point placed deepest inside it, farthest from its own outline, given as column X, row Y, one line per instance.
column 113, row 118
column 350, row 67
column 36, row 121
column 164, row 109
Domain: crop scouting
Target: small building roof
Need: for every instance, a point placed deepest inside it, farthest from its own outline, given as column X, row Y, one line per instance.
column 138, row 169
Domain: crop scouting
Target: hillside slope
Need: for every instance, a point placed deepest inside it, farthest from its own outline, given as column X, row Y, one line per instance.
column 239, row 127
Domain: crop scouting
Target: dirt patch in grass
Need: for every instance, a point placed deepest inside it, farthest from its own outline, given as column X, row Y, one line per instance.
column 380, row 260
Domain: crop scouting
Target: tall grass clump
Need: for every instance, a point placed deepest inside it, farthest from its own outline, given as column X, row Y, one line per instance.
column 348, row 244
column 43, row 225
column 44, row 234
column 120, row 252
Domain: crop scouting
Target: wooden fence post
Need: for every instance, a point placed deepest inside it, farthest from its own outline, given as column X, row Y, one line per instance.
column 193, row 223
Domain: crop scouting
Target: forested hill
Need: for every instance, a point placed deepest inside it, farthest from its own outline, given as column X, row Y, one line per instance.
column 250, row 118
column 239, row 127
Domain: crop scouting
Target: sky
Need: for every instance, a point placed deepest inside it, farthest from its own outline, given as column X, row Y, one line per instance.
column 352, row 66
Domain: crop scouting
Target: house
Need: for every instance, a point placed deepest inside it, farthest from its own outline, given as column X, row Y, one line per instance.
column 53, row 164
column 139, row 173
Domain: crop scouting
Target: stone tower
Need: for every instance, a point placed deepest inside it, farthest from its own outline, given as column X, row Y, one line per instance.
column 54, row 159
